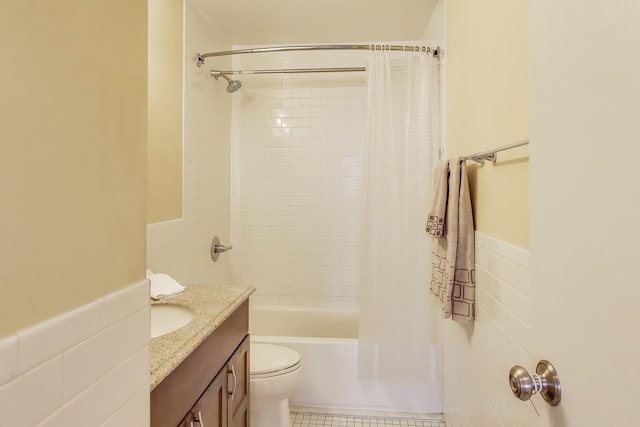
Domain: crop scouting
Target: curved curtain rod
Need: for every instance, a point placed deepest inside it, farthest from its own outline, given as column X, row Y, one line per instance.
column 200, row 58
column 218, row 73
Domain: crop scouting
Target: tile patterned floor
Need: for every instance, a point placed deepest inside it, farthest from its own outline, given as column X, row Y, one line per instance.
column 304, row 419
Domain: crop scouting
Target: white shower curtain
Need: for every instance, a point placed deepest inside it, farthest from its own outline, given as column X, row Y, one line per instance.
column 399, row 323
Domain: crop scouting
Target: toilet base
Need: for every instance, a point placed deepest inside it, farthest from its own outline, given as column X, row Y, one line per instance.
column 273, row 415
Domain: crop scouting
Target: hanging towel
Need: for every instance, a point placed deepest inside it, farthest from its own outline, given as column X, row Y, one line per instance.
column 453, row 279
column 163, row 285
column 437, row 214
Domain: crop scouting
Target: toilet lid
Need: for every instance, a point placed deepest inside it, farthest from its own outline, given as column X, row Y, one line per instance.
column 267, row 360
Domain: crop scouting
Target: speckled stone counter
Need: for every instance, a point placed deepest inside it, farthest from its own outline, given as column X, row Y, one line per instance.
column 212, row 305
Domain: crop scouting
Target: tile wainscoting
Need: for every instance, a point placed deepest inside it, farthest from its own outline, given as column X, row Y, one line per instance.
column 88, row 366
column 476, row 364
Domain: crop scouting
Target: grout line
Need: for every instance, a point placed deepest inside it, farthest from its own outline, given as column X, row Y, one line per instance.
column 310, row 419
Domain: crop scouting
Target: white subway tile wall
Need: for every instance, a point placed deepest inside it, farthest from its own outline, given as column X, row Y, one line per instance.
column 182, row 247
column 297, row 154
column 477, row 364
column 89, row 365
column 8, row 359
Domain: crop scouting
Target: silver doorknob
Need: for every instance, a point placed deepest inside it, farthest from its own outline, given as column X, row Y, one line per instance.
column 545, row 381
column 217, row 248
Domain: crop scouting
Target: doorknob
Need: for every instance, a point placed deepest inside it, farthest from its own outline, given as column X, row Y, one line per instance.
column 545, row 381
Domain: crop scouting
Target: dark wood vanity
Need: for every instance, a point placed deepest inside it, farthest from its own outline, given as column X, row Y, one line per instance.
column 211, row 386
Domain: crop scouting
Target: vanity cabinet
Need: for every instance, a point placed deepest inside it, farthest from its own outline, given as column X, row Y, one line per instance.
column 210, row 388
column 225, row 402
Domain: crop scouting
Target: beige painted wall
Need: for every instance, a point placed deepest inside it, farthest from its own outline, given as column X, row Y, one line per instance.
column 164, row 150
column 486, row 89
column 486, row 63
column 72, row 154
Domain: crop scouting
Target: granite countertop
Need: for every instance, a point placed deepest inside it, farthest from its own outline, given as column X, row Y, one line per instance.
column 212, row 305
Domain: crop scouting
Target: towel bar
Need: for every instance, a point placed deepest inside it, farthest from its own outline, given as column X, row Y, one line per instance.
column 491, row 154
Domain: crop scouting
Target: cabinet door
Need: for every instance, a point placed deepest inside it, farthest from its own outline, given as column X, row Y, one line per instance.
column 238, row 377
column 211, row 409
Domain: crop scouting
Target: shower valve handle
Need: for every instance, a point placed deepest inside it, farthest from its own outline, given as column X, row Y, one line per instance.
column 217, row 248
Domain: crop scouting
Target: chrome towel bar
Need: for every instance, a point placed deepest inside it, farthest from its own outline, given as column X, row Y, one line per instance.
column 491, row 154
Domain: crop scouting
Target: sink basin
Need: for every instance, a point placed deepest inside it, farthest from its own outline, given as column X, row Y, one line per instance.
column 167, row 318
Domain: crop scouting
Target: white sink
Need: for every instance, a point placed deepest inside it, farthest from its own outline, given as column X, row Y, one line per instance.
column 167, row 318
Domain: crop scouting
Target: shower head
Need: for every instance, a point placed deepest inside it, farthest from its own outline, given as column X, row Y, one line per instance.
column 233, row 85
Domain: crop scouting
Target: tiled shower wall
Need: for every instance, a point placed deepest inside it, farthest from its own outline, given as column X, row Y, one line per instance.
column 296, row 164
column 181, row 247
column 476, row 365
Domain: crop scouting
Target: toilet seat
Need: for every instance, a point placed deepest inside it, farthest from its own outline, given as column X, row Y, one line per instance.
column 267, row 360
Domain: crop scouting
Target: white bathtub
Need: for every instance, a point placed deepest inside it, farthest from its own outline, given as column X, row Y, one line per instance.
column 327, row 342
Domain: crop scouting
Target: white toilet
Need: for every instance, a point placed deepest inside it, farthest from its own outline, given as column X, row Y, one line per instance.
column 275, row 374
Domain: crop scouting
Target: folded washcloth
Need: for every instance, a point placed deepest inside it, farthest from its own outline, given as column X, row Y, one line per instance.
column 454, row 279
column 436, row 216
column 163, row 285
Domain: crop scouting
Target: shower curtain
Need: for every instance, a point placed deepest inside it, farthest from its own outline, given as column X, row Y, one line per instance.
column 399, row 323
